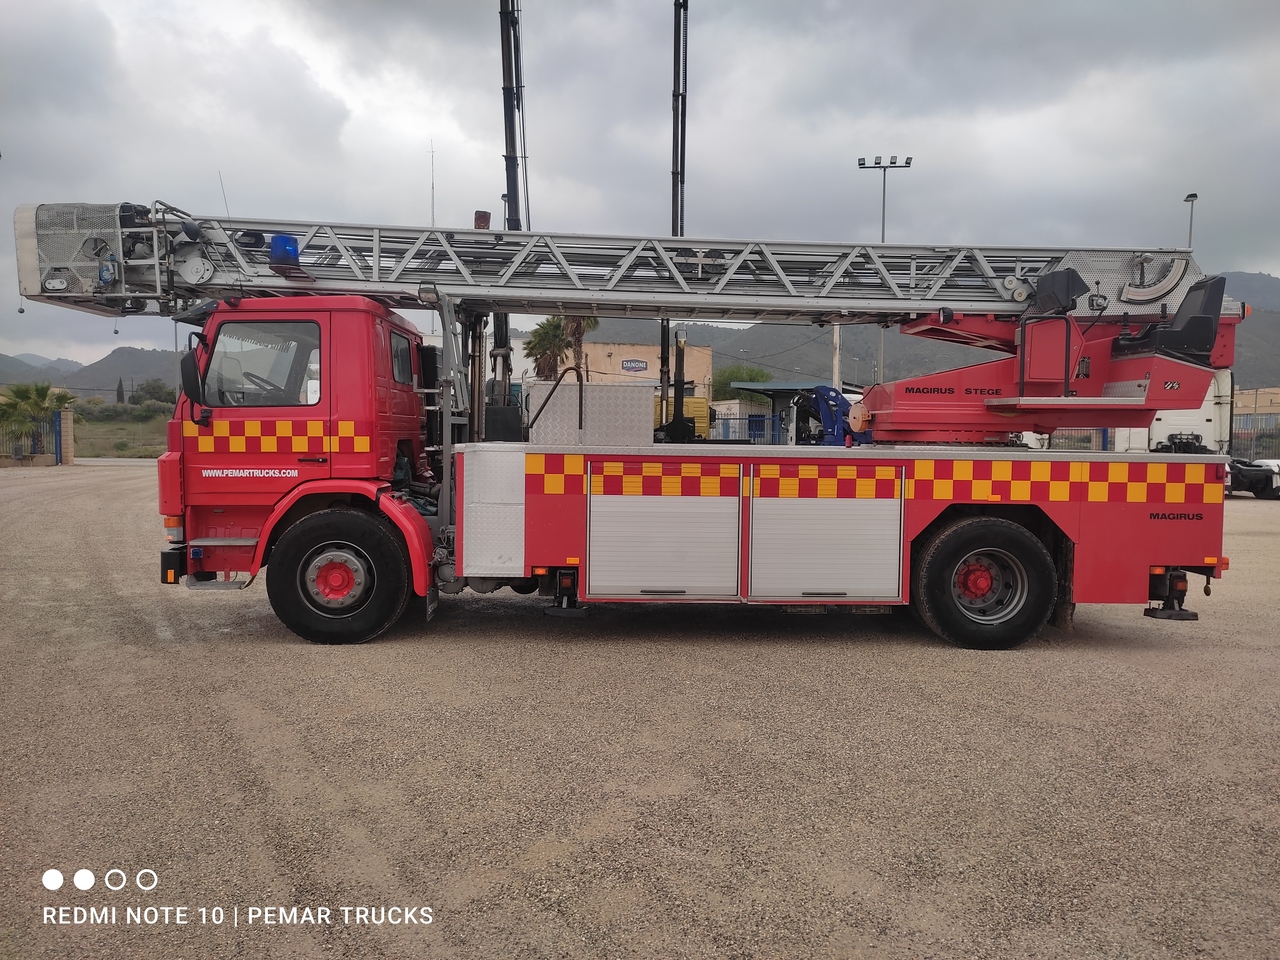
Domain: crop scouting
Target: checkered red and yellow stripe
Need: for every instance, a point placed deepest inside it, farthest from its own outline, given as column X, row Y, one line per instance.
column 670, row 479
column 826, row 481
column 275, row 436
column 555, row 473
column 1040, row 480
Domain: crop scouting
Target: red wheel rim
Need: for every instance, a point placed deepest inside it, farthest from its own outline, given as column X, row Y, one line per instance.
column 335, row 580
column 974, row 581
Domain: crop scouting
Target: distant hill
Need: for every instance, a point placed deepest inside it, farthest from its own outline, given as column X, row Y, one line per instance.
column 792, row 351
column 131, row 364
column 1259, row 290
column 1258, row 350
column 796, row 352
column 13, row 370
column 630, row 330
column 1258, row 337
column 61, row 363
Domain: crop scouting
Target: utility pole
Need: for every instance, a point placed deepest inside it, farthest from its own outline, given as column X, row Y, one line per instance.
column 835, row 356
column 679, row 108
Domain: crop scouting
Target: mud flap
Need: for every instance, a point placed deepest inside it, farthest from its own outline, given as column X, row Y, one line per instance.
column 1064, row 607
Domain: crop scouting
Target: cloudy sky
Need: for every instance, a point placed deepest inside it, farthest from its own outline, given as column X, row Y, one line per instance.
column 1030, row 122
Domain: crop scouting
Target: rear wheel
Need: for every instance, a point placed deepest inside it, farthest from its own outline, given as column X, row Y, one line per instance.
column 984, row 583
column 338, row 576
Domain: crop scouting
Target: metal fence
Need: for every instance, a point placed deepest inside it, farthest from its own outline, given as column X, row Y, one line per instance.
column 1261, row 444
column 46, row 438
column 753, row 429
column 1080, row 438
column 1256, row 444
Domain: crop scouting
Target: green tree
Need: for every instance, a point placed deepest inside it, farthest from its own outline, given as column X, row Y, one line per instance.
column 120, row 390
column 546, row 347
column 741, row 373
column 575, row 328
column 24, row 406
column 154, row 389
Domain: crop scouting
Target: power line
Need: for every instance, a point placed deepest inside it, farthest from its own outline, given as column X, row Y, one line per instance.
column 767, row 356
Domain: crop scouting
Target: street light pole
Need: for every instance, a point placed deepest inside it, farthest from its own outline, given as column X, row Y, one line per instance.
column 884, row 169
column 1191, row 198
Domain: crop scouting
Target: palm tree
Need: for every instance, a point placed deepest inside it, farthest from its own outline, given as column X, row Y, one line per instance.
column 546, row 347
column 24, row 406
column 575, row 328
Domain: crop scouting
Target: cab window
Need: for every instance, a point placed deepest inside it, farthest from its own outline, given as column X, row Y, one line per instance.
column 264, row 364
column 401, row 358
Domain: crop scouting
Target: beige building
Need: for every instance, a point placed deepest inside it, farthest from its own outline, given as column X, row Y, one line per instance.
column 1257, row 409
column 638, row 363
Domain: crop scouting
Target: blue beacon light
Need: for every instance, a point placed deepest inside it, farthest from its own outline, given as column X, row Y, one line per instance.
column 284, row 250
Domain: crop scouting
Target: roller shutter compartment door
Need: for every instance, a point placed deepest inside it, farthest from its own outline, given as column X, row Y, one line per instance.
column 663, row 545
column 836, row 541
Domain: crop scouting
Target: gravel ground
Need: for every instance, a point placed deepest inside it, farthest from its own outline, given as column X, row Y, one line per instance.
column 652, row 782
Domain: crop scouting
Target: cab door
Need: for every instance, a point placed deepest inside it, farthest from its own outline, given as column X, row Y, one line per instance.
column 267, row 386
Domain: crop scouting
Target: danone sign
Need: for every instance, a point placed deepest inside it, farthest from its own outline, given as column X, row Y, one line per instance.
column 635, row 366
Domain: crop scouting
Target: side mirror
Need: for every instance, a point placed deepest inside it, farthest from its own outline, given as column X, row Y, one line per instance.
column 193, row 389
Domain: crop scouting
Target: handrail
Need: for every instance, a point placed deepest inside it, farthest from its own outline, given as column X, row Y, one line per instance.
column 551, row 393
column 1022, row 354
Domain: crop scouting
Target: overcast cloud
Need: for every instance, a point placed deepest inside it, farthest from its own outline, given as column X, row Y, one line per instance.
column 1030, row 122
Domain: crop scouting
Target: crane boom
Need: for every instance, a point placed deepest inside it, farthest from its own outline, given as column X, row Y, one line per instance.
column 117, row 259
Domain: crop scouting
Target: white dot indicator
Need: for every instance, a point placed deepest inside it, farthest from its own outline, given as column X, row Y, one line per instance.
column 83, row 879
column 52, row 879
column 154, row 880
column 121, row 880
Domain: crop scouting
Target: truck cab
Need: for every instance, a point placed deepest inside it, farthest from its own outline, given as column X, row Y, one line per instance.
column 291, row 408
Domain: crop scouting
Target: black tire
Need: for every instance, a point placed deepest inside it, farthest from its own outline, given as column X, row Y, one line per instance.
column 338, row 576
column 984, row 583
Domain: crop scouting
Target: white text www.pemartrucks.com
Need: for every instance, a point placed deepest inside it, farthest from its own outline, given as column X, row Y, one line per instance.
column 243, row 472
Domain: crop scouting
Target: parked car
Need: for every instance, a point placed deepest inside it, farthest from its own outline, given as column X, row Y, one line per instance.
column 1259, row 477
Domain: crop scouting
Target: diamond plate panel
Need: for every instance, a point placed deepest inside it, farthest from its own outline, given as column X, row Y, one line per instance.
column 614, row 415
column 493, row 511
column 1108, row 271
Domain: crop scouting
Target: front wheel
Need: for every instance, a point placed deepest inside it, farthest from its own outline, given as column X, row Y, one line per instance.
column 338, row 576
column 984, row 583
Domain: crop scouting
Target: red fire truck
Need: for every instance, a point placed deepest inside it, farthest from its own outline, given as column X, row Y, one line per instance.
column 318, row 437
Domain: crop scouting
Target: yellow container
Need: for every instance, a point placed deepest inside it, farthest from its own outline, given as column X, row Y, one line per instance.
column 697, row 409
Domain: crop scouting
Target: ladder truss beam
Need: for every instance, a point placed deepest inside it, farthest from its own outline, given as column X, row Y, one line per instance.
column 62, row 249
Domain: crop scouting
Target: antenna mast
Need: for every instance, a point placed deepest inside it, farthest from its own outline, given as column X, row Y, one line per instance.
column 679, row 105
column 508, row 19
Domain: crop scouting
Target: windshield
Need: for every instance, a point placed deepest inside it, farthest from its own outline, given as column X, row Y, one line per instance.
column 261, row 363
